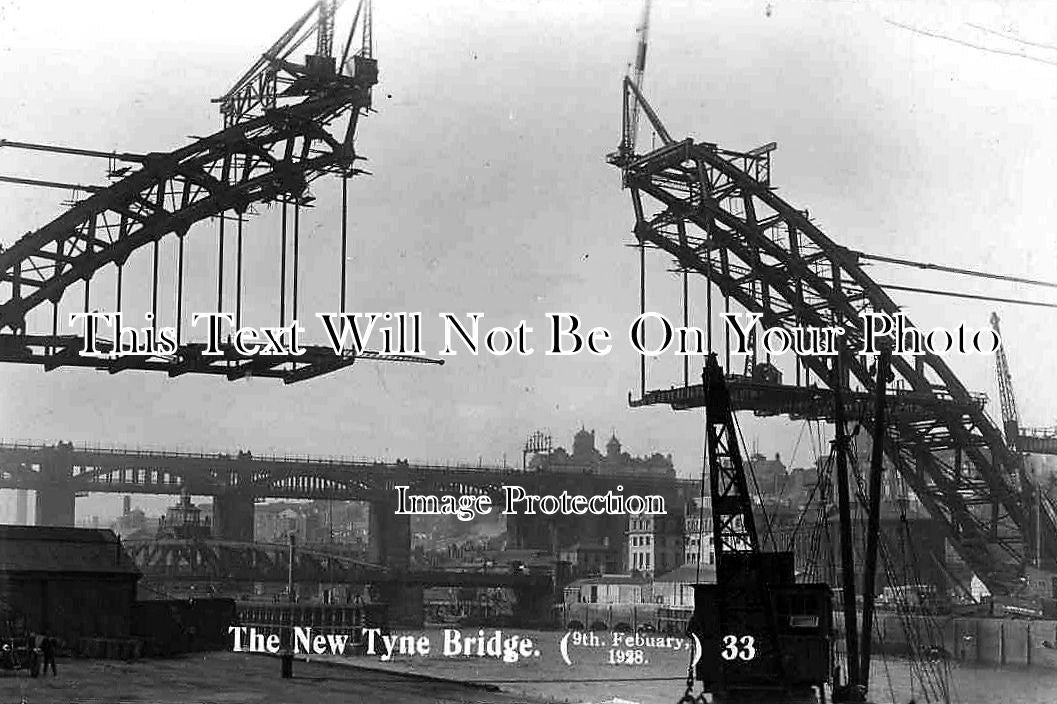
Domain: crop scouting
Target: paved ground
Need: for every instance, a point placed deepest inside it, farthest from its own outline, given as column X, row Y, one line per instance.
column 232, row 678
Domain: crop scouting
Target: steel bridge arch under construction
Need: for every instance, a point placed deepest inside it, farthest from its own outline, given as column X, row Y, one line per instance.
column 715, row 212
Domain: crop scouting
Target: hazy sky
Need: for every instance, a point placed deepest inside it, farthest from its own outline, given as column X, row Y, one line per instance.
column 491, row 194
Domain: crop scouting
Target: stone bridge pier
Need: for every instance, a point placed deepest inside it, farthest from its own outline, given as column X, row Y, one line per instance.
column 233, row 506
column 233, row 516
column 534, row 606
column 389, row 535
column 55, row 497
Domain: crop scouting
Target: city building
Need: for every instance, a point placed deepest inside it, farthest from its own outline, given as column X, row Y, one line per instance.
column 586, row 459
column 275, row 522
column 68, row 582
column 697, row 532
column 184, row 521
column 556, row 534
column 676, row 588
column 655, row 542
column 590, row 559
column 609, row 589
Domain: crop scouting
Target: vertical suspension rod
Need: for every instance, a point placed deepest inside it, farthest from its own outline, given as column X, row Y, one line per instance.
column 297, row 247
column 344, row 235
column 642, row 312
column 238, row 273
column 282, row 273
column 708, row 294
column 220, row 265
column 686, row 325
column 179, row 287
column 686, row 302
column 154, row 288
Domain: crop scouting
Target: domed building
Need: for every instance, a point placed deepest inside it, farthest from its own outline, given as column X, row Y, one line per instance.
column 586, row 459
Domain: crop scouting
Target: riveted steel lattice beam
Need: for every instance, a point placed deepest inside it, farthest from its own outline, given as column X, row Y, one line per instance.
column 286, row 125
column 715, row 212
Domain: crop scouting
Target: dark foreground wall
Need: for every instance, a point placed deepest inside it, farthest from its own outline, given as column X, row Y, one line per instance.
column 70, row 607
column 180, row 626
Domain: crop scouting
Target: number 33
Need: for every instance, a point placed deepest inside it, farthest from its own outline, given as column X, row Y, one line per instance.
column 731, row 651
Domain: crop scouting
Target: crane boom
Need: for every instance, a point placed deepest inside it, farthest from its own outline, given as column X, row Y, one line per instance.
column 638, row 72
column 1010, row 416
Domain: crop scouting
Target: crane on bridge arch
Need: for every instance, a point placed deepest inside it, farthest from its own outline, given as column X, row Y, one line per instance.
column 715, row 212
column 285, row 124
column 1024, row 441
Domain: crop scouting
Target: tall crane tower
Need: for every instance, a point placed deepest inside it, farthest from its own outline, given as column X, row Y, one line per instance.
column 763, row 636
column 636, row 73
column 1010, row 416
column 1033, row 495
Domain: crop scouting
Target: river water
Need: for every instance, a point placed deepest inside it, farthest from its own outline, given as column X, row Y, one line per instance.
column 594, row 676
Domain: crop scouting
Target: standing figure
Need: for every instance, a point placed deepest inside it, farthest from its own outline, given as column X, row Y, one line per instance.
column 35, row 652
column 48, row 650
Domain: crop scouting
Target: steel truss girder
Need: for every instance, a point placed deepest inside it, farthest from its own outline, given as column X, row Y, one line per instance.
column 54, row 351
column 230, row 560
column 273, row 156
column 769, row 257
column 169, row 560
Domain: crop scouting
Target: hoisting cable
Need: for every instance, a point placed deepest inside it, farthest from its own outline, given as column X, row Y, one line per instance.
column 971, row 296
column 954, row 270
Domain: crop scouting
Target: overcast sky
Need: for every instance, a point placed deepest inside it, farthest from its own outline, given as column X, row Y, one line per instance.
column 491, row 193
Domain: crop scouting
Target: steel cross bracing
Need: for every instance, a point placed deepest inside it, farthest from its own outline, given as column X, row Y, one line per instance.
column 715, row 212
column 286, row 124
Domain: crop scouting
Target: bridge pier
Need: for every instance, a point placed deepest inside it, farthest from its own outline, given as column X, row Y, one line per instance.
column 406, row 606
column 533, row 607
column 389, row 539
column 56, row 499
column 233, row 517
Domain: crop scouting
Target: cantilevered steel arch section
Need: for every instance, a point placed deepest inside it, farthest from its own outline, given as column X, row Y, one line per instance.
column 286, row 123
column 715, row 212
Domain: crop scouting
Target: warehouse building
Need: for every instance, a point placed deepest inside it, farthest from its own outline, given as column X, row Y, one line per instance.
column 70, row 583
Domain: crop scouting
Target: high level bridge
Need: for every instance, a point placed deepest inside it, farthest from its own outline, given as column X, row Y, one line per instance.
column 58, row 473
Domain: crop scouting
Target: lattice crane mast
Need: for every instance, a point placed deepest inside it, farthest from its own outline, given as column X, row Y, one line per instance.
column 1010, row 416
column 637, row 73
column 634, row 100
column 733, row 525
column 762, row 635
